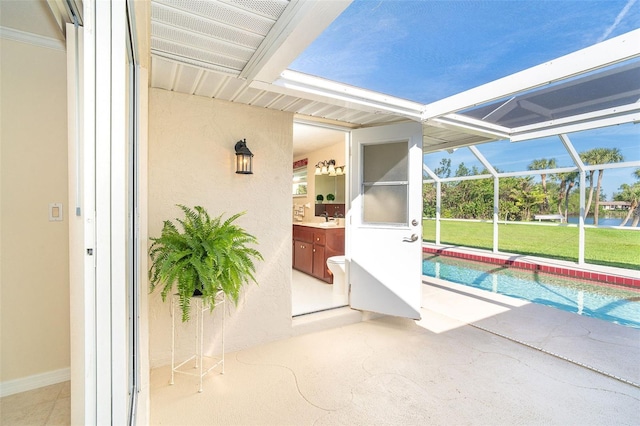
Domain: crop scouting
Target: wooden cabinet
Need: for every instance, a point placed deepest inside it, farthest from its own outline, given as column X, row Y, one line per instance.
column 320, row 269
column 303, row 249
column 312, row 247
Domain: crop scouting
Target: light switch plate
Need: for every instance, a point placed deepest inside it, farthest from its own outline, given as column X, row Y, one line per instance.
column 55, row 212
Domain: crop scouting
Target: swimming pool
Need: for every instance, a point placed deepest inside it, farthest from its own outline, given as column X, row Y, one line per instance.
column 613, row 304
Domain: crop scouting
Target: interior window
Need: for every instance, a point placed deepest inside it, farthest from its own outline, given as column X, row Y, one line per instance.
column 300, row 181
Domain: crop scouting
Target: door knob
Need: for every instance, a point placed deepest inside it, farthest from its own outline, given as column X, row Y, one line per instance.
column 414, row 237
column 414, row 222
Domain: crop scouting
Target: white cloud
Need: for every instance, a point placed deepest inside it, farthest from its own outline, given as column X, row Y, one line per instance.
column 617, row 21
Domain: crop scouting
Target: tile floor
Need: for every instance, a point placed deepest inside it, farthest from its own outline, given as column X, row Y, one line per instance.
column 309, row 294
column 49, row 405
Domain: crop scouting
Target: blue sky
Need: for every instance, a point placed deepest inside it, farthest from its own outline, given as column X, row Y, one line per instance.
column 427, row 50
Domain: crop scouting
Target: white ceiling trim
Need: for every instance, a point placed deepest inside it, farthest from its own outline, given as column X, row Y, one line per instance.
column 301, row 85
column 623, row 110
column 298, row 26
column 30, row 38
column 430, row 144
column 469, row 128
column 481, row 125
column 587, row 124
column 609, row 52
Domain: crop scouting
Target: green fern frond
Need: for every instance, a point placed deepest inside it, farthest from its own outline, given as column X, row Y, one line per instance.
column 208, row 255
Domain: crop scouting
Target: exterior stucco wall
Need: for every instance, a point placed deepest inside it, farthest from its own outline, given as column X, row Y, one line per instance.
column 191, row 162
column 34, row 263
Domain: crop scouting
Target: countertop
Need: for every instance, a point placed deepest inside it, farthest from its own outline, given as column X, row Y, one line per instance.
column 320, row 225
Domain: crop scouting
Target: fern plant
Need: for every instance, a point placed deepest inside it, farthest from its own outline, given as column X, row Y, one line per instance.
column 206, row 256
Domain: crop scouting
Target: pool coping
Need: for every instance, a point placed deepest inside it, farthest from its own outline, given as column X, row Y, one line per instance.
column 608, row 275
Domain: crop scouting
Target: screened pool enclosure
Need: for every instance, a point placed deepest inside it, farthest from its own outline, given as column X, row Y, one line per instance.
column 554, row 110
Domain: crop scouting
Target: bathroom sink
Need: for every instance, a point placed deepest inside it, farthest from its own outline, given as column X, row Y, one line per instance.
column 332, row 224
column 328, row 224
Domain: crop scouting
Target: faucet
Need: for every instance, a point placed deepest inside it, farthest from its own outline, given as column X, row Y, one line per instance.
column 325, row 215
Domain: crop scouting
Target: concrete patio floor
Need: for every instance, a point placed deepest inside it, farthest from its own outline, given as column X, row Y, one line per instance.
column 474, row 358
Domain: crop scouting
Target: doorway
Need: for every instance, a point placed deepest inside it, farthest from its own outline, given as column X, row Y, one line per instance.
column 319, row 204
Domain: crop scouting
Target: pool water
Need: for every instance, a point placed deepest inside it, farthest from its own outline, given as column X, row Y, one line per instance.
column 613, row 304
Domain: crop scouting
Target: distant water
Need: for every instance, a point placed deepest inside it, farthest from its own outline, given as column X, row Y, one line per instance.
column 602, row 221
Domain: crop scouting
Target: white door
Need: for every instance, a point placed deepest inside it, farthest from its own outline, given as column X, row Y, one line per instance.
column 385, row 220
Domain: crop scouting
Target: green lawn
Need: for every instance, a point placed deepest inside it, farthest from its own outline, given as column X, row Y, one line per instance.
column 610, row 247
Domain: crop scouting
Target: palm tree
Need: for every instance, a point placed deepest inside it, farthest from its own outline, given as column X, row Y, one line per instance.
column 630, row 193
column 526, row 196
column 606, row 156
column 590, row 157
column 541, row 164
column 567, row 182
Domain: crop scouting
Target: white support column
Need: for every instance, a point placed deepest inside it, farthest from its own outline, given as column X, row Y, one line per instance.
column 435, row 177
column 438, row 206
column 483, row 160
column 581, row 168
column 496, row 205
column 583, row 213
column 496, row 193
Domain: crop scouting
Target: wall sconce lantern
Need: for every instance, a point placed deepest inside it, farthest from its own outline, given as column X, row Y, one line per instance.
column 244, row 158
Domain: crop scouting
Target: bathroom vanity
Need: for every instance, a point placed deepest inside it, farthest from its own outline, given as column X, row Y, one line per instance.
column 313, row 244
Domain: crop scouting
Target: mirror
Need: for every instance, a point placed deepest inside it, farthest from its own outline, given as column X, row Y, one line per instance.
column 325, row 185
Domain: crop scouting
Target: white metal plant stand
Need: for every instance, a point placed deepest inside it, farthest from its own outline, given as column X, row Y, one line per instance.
column 198, row 356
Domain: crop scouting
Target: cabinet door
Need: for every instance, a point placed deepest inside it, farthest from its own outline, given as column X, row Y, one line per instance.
column 303, row 256
column 319, row 238
column 319, row 262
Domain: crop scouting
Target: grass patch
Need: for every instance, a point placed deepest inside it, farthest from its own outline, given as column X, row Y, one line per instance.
column 608, row 247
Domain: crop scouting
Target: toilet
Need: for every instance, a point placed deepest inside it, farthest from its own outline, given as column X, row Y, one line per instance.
column 336, row 266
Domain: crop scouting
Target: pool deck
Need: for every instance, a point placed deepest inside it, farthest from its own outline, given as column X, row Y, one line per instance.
column 475, row 358
column 604, row 274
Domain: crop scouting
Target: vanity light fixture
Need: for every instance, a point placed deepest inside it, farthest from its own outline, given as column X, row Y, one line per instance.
column 244, row 158
column 321, row 168
column 328, row 167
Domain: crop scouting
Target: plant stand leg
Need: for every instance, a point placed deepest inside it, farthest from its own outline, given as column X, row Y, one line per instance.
column 224, row 306
column 173, row 337
column 199, row 312
column 201, row 315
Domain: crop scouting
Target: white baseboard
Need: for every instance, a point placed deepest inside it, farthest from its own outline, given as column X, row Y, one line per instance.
column 36, row 381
